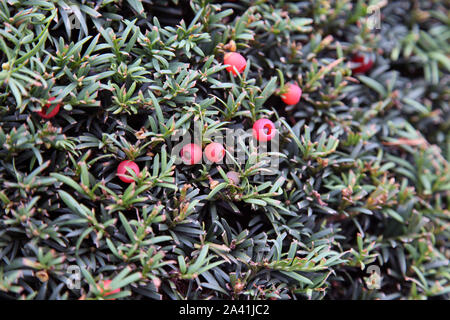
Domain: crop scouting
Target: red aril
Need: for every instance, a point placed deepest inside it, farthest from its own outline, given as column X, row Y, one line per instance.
column 191, row 154
column 361, row 63
column 291, row 93
column 123, row 173
column 264, row 130
column 49, row 111
column 235, row 61
column 214, row 152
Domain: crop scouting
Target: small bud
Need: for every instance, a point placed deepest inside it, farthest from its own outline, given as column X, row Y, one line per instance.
column 42, row 275
column 233, row 176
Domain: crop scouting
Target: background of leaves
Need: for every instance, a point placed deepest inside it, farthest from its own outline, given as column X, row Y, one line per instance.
column 364, row 177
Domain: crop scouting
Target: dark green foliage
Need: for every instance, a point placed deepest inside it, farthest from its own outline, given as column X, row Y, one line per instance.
column 363, row 180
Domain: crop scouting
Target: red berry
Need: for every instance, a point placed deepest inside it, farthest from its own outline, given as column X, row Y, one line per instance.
column 235, row 61
column 291, row 94
column 106, row 291
column 191, row 154
column 214, row 152
column 44, row 112
column 123, row 173
column 264, row 130
column 361, row 63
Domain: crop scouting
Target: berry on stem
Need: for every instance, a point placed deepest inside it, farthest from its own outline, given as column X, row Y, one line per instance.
column 236, row 62
column 264, row 130
column 291, row 94
column 191, row 154
column 54, row 110
column 123, row 173
column 361, row 63
column 214, row 152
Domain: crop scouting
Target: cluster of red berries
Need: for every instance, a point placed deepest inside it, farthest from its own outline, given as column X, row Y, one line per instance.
column 192, row 153
column 263, row 130
column 290, row 93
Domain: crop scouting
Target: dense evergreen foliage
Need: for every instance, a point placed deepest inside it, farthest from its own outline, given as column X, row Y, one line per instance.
column 363, row 178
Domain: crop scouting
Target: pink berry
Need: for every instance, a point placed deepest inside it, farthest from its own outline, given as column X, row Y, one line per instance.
column 235, row 61
column 264, row 130
column 43, row 113
column 214, row 152
column 291, row 94
column 123, row 173
column 362, row 63
column 191, row 154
